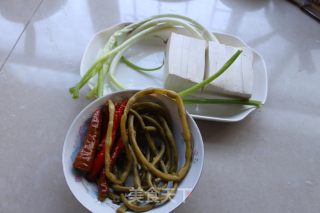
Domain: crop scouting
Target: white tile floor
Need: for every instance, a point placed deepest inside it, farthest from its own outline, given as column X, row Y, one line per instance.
column 267, row 163
column 14, row 19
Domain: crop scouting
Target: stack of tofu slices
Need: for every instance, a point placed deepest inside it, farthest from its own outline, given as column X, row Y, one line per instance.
column 190, row 61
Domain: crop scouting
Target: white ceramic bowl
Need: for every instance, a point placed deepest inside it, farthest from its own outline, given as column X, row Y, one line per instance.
column 86, row 192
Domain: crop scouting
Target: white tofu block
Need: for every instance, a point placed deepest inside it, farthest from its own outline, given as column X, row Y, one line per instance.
column 237, row 80
column 185, row 62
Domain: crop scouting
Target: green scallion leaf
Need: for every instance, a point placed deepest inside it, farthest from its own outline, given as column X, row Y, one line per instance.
column 224, row 101
column 139, row 68
column 198, row 86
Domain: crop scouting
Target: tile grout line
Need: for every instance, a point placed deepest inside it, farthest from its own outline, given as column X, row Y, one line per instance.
column 19, row 37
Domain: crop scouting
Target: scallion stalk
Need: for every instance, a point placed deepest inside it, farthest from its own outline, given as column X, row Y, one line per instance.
column 203, row 83
column 87, row 76
column 139, row 68
column 92, row 93
column 126, row 37
column 223, row 101
column 201, row 28
column 92, row 71
column 171, row 21
column 116, row 82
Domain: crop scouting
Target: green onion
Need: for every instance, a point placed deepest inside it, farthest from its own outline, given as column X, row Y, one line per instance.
column 138, row 68
column 172, row 22
column 102, row 74
column 87, row 76
column 147, row 26
column 198, row 86
column 124, row 38
column 116, row 82
column 201, row 28
column 92, row 93
column 223, row 101
column 92, row 71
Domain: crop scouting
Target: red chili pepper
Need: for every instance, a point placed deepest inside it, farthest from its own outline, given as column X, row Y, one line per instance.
column 85, row 157
column 102, row 186
column 99, row 160
column 97, row 165
column 116, row 152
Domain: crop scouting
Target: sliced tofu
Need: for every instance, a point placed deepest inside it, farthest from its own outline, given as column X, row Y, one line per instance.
column 185, row 62
column 237, row 81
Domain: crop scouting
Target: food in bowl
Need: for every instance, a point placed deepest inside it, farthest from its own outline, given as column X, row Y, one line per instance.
column 131, row 153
